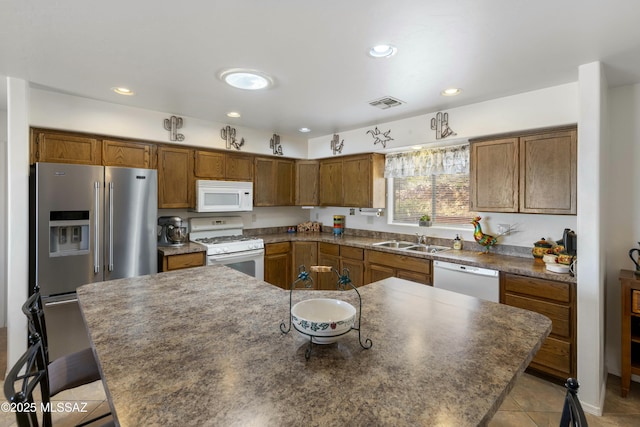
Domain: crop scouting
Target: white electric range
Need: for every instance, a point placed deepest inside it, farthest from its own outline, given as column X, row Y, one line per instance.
column 226, row 244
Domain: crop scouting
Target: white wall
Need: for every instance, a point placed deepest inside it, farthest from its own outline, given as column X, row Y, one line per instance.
column 548, row 107
column 553, row 106
column 66, row 112
column 3, row 214
column 17, row 243
column 592, row 180
column 622, row 207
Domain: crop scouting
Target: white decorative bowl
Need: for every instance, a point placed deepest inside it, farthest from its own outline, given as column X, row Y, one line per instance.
column 324, row 318
column 558, row 268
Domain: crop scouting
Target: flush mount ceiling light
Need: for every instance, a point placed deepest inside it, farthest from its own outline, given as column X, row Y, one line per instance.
column 246, row 79
column 233, row 114
column 123, row 91
column 383, row 51
column 452, row 91
column 304, row 130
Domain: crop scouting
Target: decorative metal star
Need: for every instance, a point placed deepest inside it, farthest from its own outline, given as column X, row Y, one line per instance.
column 380, row 140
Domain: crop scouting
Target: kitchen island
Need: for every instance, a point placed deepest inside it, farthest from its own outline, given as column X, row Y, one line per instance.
column 203, row 347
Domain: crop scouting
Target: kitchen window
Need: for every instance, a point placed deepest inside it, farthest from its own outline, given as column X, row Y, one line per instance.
column 434, row 182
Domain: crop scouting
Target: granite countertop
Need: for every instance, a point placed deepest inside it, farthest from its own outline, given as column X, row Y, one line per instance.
column 203, row 346
column 505, row 263
column 187, row 248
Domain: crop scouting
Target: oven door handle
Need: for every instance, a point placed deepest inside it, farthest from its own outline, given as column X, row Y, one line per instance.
column 238, row 255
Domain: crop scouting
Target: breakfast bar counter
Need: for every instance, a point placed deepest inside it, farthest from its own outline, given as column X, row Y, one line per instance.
column 203, row 347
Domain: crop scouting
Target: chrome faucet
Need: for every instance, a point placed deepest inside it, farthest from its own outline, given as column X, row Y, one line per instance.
column 422, row 239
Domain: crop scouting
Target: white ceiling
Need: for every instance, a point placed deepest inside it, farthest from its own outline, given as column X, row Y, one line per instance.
column 170, row 53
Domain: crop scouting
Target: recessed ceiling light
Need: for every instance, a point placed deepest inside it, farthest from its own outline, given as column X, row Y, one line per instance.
column 246, row 79
column 383, row 51
column 304, row 130
column 452, row 91
column 416, row 147
column 233, row 114
column 123, row 91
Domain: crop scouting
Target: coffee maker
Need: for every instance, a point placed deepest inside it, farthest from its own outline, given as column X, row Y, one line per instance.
column 171, row 232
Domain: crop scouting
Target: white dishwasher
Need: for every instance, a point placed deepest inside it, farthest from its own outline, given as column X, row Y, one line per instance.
column 465, row 279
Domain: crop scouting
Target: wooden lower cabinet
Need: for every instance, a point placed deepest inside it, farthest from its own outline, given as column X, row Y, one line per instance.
column 353, row 260
column 328, row 254
column 557, row 301
column 180, row 261
column 381, row 265
column 305, row 254
column 277, row 264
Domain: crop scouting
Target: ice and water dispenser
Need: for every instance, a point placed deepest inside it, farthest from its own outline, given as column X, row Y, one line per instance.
column 68, row 233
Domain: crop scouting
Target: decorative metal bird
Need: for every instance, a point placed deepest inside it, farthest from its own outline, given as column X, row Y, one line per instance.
column 483, row 239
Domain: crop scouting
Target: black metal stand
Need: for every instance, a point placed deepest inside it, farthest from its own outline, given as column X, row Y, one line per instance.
column 343, row 282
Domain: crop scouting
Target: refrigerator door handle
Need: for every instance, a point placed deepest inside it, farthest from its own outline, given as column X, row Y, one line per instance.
column 96, row 228
column 111, row 226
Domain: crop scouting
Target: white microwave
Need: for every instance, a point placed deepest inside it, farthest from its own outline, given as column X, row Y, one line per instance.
column 224, row 196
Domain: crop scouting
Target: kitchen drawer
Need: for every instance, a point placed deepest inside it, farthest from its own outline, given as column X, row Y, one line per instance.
column 277, row 248
column 329, row 248
column 540, row 288
column 177, row 262
column 352, row 253
column 554, row 357
column 404, row 262
column 559, row 314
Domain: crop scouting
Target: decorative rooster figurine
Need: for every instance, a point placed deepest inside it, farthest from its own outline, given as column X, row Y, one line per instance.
column 485, row 240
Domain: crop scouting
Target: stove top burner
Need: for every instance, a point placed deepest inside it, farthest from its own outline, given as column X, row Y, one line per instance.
column 224, row 239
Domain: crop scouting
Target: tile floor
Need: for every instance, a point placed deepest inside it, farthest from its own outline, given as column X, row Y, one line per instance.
column 532, row 402
column 536, row 402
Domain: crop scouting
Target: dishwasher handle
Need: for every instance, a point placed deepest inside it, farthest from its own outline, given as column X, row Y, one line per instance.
column 465, row 268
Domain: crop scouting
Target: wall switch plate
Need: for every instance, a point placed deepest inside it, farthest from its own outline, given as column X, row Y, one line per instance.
column 504, row 229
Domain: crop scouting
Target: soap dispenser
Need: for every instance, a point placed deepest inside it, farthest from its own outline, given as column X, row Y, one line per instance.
column 457, row 243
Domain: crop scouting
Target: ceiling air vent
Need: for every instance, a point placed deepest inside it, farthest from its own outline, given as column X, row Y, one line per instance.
column 386, row 102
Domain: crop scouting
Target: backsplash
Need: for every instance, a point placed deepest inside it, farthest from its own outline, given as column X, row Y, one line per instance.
column 518, row 251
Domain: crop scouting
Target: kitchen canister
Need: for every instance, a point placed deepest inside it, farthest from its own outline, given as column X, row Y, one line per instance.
column 338, row 225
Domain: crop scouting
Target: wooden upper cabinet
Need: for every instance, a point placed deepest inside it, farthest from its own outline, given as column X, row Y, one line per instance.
column 285, row 182
column 128, row 154
column 273, row 181
column 532, row 173
column 548, row 173
column 175, row 182
column 239, row 167
column 60, row 147
column 263, row 184
column 356, row 181
column 307, row 182
column 331, row 182
column 363, row 181
column 494, row 175
column 209, row 164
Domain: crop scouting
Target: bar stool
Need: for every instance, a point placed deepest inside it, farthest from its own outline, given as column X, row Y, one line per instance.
column 572, row 413
column 66, row 372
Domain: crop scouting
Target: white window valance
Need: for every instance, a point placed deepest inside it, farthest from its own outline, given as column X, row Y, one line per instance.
column 432, row 161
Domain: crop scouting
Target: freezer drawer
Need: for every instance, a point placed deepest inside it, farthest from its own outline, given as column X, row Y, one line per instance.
column 66, row 332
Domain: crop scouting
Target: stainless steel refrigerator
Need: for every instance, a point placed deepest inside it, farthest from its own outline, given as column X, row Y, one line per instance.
column 88, row 224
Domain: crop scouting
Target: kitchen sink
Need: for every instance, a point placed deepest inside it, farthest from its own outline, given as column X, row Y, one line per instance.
column 432, row 249
column 394, row 244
